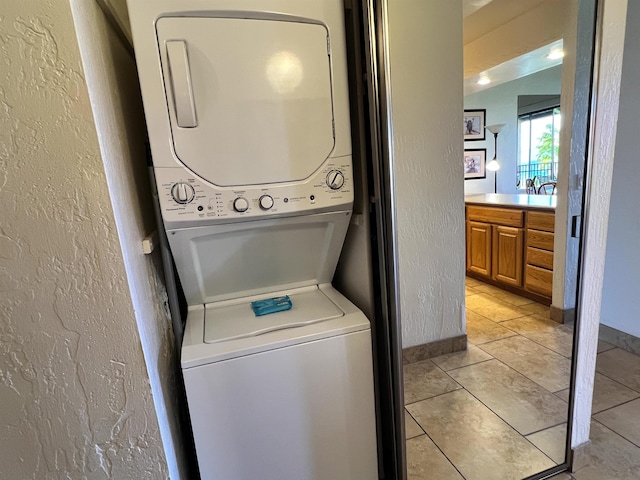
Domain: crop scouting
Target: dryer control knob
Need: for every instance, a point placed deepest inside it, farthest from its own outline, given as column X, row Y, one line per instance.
column 182, row 193
column 335, row 179
column 266, row 202
column 240, row 204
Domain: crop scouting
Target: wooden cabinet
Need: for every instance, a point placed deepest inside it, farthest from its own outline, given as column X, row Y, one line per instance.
column 479, row 248
column 538, row 276
column 512, row 248
column 507, row 254
column 494, row 243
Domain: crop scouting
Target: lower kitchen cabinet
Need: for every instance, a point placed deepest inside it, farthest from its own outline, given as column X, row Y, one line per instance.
column 513, row 248
column 539, row 254
column 507, row 254
column 479, row 248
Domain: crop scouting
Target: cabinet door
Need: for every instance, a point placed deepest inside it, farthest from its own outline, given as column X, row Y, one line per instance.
column 479, row 248
column 507, row 255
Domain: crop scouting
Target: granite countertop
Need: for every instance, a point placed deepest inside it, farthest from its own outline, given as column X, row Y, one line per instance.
column 508, row 200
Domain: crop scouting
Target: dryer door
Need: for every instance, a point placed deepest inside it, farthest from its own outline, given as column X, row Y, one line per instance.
column 249, row 100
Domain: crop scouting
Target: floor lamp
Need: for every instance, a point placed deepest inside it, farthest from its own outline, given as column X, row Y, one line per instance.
column 493, row 165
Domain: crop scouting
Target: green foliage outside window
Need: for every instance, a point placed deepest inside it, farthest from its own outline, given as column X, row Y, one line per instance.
column 547, row 149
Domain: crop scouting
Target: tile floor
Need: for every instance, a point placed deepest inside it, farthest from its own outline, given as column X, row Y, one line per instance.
column 498, row 410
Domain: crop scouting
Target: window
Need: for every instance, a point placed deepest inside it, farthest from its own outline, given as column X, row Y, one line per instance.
column 538, row 152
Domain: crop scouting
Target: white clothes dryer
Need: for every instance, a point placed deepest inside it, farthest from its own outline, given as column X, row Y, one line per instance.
column 248, row 118
column 247, row 107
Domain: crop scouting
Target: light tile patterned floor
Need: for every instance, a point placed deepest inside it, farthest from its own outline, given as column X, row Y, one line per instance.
column 499, row 409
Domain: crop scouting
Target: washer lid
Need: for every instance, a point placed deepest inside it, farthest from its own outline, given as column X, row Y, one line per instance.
column 224, row 322
column 237, row 260
column 249, row 100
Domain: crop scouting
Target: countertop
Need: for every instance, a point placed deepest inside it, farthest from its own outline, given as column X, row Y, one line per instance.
column 547, row 202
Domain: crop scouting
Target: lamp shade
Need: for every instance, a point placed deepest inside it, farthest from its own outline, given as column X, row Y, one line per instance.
column 495, row 129
column 493, row 165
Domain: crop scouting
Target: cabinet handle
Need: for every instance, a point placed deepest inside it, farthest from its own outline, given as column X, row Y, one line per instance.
column 180, row 77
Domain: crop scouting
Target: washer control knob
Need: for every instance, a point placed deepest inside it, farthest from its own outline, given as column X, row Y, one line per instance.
column 335, row 179
column 266, row 202
column 182, row 193
column 240, row 204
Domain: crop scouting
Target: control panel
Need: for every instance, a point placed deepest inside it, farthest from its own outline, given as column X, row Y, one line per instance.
column 186, row 197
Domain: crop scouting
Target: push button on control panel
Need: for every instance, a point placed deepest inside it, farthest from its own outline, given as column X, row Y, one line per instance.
column 240, row 204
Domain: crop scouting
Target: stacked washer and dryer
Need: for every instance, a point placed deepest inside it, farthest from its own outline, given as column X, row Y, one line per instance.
column 247, row 110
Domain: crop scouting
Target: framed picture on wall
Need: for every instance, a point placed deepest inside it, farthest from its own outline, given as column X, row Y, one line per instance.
column 474, row 121
column 474, row 163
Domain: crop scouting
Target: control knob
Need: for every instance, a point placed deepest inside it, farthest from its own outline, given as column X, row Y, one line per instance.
column 240, row 204
column 266, row 202
column 182, row 193
column 335, row 179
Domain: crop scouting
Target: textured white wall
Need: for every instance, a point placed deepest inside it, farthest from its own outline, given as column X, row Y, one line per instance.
column 622, row 266
column 119, row 119
column 425, row 55
column 501, row 103
column 74, row 390
column 575, row 91
column 599, row 193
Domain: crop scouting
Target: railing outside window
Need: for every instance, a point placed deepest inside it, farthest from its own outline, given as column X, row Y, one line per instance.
column 539, row 137
column 542, row 172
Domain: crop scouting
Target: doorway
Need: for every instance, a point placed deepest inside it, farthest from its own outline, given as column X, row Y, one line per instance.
column 431, row 202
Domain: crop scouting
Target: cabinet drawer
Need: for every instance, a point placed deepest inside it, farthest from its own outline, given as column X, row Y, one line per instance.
column 541, row 221
column 500, row 216
column 538, row 280
column 538, row 239
column 540, row 258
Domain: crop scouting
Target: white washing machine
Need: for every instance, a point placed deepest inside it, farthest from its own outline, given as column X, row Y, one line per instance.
column 248, row 117
column 287, row 395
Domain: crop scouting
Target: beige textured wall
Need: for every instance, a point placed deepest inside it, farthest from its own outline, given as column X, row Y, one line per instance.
column 425, row 56
column 621, row 288
column 604, row 131
column 570, row 160
column 112, row 82
column 74, row 390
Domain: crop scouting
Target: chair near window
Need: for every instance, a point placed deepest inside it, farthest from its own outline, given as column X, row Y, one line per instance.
column 530, row 186
column 547, row 188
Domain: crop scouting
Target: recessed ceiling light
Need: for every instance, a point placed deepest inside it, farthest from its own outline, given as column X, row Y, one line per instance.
column 484, row 80
column 555, row 55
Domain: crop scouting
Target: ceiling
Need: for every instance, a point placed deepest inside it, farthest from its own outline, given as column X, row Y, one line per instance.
column 527, row 64
column 505, row 40
column 470, row 6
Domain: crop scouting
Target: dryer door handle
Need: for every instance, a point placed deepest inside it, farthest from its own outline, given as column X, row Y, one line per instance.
column 180, row 76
